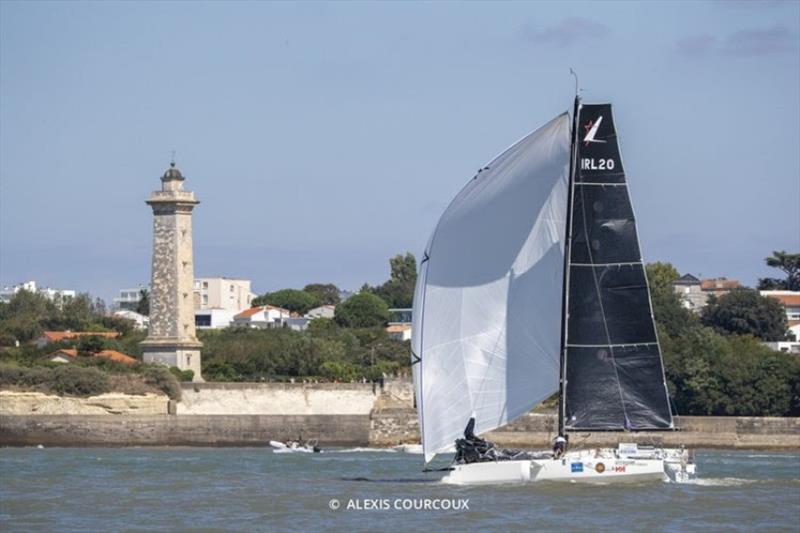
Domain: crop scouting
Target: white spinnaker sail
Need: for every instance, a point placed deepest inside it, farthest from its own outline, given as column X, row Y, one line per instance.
column 487, row 308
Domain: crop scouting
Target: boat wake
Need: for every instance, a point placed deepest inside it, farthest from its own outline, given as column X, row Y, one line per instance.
column 717, row 482
column 369, row 450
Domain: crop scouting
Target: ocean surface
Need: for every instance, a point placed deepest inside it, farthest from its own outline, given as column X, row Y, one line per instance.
column 253, row 489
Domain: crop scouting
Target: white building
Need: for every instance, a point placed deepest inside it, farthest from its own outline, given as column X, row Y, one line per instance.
column 6, row 293
column 323, row 311
column 266, row 316
column 128, row 299
column 222, row 293
column 213, row 318
column 401, row 332
column 141, row 321
column 790, row 300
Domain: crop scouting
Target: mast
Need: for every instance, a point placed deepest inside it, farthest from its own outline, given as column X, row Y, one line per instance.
column 562, row 380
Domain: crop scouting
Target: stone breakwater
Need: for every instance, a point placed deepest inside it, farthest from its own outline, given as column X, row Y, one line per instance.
column 37, row 403
column 352, row 414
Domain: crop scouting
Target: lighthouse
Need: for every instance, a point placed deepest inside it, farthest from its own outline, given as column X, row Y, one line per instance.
column 171, row 338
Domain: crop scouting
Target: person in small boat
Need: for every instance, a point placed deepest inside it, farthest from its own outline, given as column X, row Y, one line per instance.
column 559, row 446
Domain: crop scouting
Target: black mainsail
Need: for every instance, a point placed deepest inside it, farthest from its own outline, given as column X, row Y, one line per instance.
column 614, row 375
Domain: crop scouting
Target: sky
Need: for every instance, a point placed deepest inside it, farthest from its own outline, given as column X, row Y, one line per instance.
column 324, row 138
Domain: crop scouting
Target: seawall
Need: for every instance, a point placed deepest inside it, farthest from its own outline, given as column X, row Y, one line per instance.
column 350, row 414
column 535, row 430
column 170, row 430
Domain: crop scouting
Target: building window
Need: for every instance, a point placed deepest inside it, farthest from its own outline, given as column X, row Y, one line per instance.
column 202, row 321
column 231, row 288
column 205, row 284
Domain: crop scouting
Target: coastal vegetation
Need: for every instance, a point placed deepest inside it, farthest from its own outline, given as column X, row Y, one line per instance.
column 715, row 362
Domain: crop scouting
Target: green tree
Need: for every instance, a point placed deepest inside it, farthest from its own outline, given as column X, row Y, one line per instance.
column 790, row 265
column 326, row 294
column 746, row 312
column 76, row 314
column 24, row 315
column 398, row 292
column 143, row 307
column 668, row 310
column 90, row 344
column 292, row 299
column 363, row 310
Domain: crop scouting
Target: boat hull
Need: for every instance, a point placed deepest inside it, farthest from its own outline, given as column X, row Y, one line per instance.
column 590, row 466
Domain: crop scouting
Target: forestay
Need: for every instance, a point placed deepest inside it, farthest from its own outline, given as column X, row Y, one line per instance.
column 487, row 308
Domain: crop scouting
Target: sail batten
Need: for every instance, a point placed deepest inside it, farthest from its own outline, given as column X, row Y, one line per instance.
column 613, row 367
column 486, row 324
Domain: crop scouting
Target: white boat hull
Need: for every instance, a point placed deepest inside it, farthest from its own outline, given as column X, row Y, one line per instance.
column 589, row 466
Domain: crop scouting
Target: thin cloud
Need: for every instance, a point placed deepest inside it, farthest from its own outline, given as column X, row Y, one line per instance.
column 568, row 32
column 775, row 40
column 760, row 42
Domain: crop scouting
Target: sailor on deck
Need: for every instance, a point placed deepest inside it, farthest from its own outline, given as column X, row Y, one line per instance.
column 559, row 446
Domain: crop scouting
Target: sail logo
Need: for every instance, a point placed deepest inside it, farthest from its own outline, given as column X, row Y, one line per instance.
column 590, row 163
column 591, row 131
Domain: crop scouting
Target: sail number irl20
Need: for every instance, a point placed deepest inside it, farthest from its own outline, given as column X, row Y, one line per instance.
column 590, row 163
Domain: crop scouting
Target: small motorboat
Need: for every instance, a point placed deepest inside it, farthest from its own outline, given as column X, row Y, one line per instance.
column 295, row 446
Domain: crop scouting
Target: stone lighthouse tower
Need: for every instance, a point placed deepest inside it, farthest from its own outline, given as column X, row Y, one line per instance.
column 171, row 339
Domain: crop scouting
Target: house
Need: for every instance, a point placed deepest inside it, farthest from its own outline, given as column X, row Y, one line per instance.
column 297, row 323
column 323, row 311
column 65, row 355
column 222, row 293
column 128, row 299
column 141, row 321
column 689, row 289
column 214, row 318
column 719, row 286
column 400, row 315
column 790, row 300
column 57, row 336
column 401, row 332
column 55, row 295
column 265, row 316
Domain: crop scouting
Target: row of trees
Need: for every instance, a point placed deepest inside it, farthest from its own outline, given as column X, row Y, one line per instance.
column 368, row 308
column 28, row 314
column 715, row 363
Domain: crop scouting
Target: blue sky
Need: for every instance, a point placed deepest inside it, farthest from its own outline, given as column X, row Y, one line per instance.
column 323, row 138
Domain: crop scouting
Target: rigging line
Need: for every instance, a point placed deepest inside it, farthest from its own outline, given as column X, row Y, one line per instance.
column 602, row 308
column 634, row 344
column 629, row 263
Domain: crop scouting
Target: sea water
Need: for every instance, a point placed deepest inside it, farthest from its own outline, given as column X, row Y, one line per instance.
column 252, row 489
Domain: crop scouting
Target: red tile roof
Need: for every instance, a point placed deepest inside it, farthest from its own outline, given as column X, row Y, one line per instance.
column 249, row 312
column 719, row 284
column 55, row 336
column 105, row 354
column 788, row 300
column 117, row 356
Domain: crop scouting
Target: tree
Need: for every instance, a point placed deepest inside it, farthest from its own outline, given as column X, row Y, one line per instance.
column 292, row 299
column 326, row 294
column 746, row 312
column 23, row 316
column 364, row 310
column 399, row 290
column 667, row 307
column 90, row 344
column 143, row 307
column 790, row 265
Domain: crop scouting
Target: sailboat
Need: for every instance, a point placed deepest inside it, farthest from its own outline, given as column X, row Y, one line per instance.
column 533, row 283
